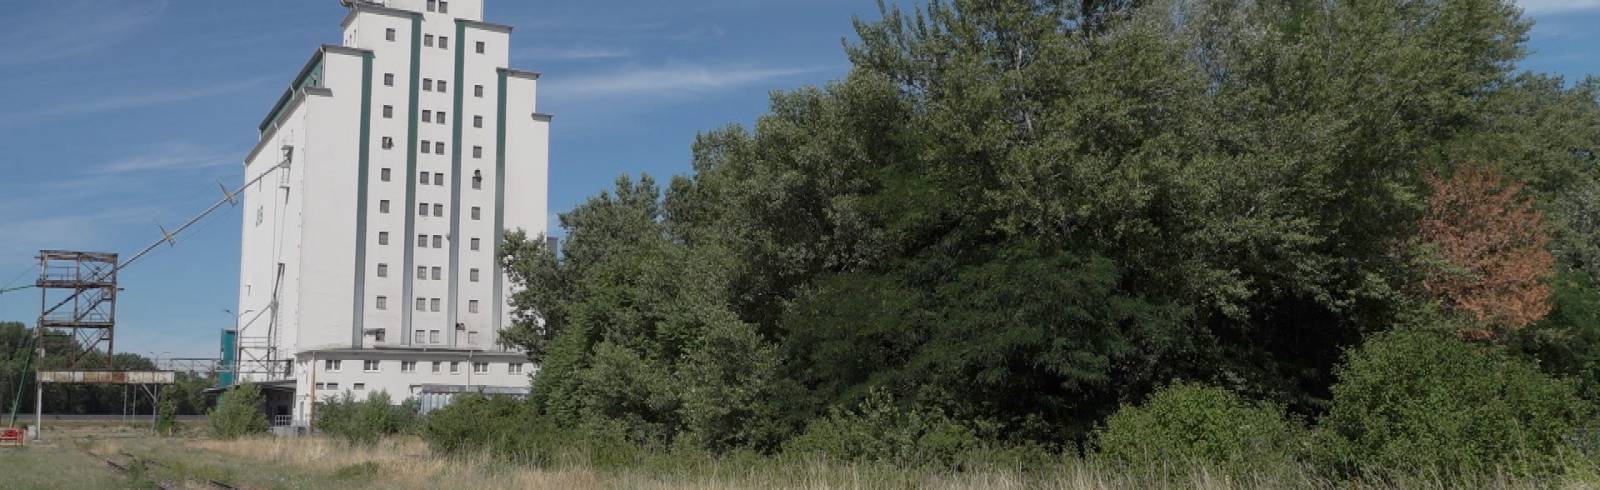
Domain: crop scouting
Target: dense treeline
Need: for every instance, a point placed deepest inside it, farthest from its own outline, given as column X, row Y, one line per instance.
column 1014, row 217
column 187, row 397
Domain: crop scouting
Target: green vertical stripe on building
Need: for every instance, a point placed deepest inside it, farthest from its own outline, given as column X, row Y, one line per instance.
column 364, row 143
column 499, row 202
column 411, row 181
column 455, row 184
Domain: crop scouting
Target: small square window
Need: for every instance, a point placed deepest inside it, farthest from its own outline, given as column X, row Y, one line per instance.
column 423, row 178
column 436, row 364
column 477, row 152
column 477, row 121
column 477, row 90
column 472, row 275
column 422, row 241
column 383, row 271
column 438, row 241
column 472, row 307
column 422, row 272
column 477, row 213
column 427, row 84
column 444, row 7
column 477, row 179
column 441, row 86
column 480, row 50
column 388, row 143
column 388, row 111
column 427, row 116
column 422, row 304
column 427, row 40
column 431, row 4
column 408, row 366
column 433, row 338
column 433, row 304
column 474, row 244
column 438, row 147
column 388, row 34
column 422, row 209
column 383, row 238
column 435, row 272
column 455, row 367
column 438, row 210
column 369, row 366
column 444, row 43
column 383, row 206
column 388, row 79
column 441, row 117
column 383, row 174
column 438, row 179
column 420, row 337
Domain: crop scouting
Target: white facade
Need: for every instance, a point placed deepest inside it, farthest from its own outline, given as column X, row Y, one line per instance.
column 409, row 148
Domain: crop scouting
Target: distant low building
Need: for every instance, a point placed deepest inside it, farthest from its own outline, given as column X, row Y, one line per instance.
column 393, row 164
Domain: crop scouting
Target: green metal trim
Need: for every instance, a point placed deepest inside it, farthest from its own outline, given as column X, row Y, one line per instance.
column 411, row 181
column 452, row 309
column 310, row 75
column 499, row 202
column 364, row 142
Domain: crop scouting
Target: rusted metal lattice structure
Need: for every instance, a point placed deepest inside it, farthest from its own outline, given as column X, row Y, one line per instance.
column 78, row 300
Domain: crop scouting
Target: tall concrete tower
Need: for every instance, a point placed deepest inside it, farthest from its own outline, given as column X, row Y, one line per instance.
column 399, row 158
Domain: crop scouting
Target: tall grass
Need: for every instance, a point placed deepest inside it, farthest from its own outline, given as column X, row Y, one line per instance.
column 405, row 462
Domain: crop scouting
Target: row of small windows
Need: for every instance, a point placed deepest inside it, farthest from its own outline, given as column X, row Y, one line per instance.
column 428, row 85
column 422, row 241
column 438, row 147
column 438, row 210
column 335, row 365
column 442, row 6
column 473, row 275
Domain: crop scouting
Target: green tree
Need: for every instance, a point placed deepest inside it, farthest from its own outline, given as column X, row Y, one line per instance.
column 238, row 413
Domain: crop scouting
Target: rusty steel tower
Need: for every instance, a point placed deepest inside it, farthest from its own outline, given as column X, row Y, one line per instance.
column 78, row 301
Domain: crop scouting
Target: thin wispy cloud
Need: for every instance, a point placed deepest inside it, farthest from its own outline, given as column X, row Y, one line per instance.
column 167, row 157
column 128, row 101
column 662, row 81
column 67, row 29
column 1556, row 6
column 570, row 53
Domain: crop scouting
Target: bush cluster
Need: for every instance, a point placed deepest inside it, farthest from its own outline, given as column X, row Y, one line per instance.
column 238, row 413
column 364, row 422
column 1189, row 424
column 880, row 430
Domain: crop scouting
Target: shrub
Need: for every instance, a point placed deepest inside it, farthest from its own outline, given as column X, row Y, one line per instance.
column 1425, row 403
column 166, row 415
column 474, row 422
column 238, row 413
column 1185, row 425
column 364, row 422
column 879, row 430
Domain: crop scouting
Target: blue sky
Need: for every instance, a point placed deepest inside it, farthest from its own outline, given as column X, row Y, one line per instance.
column 125, row 114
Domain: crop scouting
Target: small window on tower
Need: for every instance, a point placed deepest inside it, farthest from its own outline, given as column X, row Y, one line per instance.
column 441, row 86
column 388, row 111
column 472, row 337
column 472, row 275
column 427, row 40
column 427, row 116
column 444, row 43
column 388, row 79
column 444, row 7
column 480, row 51
column 477, row 90
column 382, row 303
column 422, row 209
column 441, row 117
column 422, row 241
column 433, row 304
column 477, row 179
column 427, row 84
column 477, row 121
column 388, row 143
column 383, row 238
column 422, row 304
column 455, row 367
column 431, row 4
column 422, row 272
column 383, row 206
column 379, row 335
column 477, row 152
column 423, row 177
column 477, row 213
column 435, row 363
column 421, row 337
column 472, row 307
column 438, row 210
column 438, row 147
column 383, row 174
column 388, row 34
column 438, row 241
column 383, row 270
column 435, row 272
column 474, row 244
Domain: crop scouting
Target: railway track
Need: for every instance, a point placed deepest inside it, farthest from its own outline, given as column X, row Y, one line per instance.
column 127, row 469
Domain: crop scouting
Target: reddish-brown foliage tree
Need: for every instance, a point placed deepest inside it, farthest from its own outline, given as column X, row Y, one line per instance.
column 1494, row 243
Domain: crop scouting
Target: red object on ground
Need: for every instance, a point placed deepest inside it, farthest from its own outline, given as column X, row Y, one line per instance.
column 11, row 436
